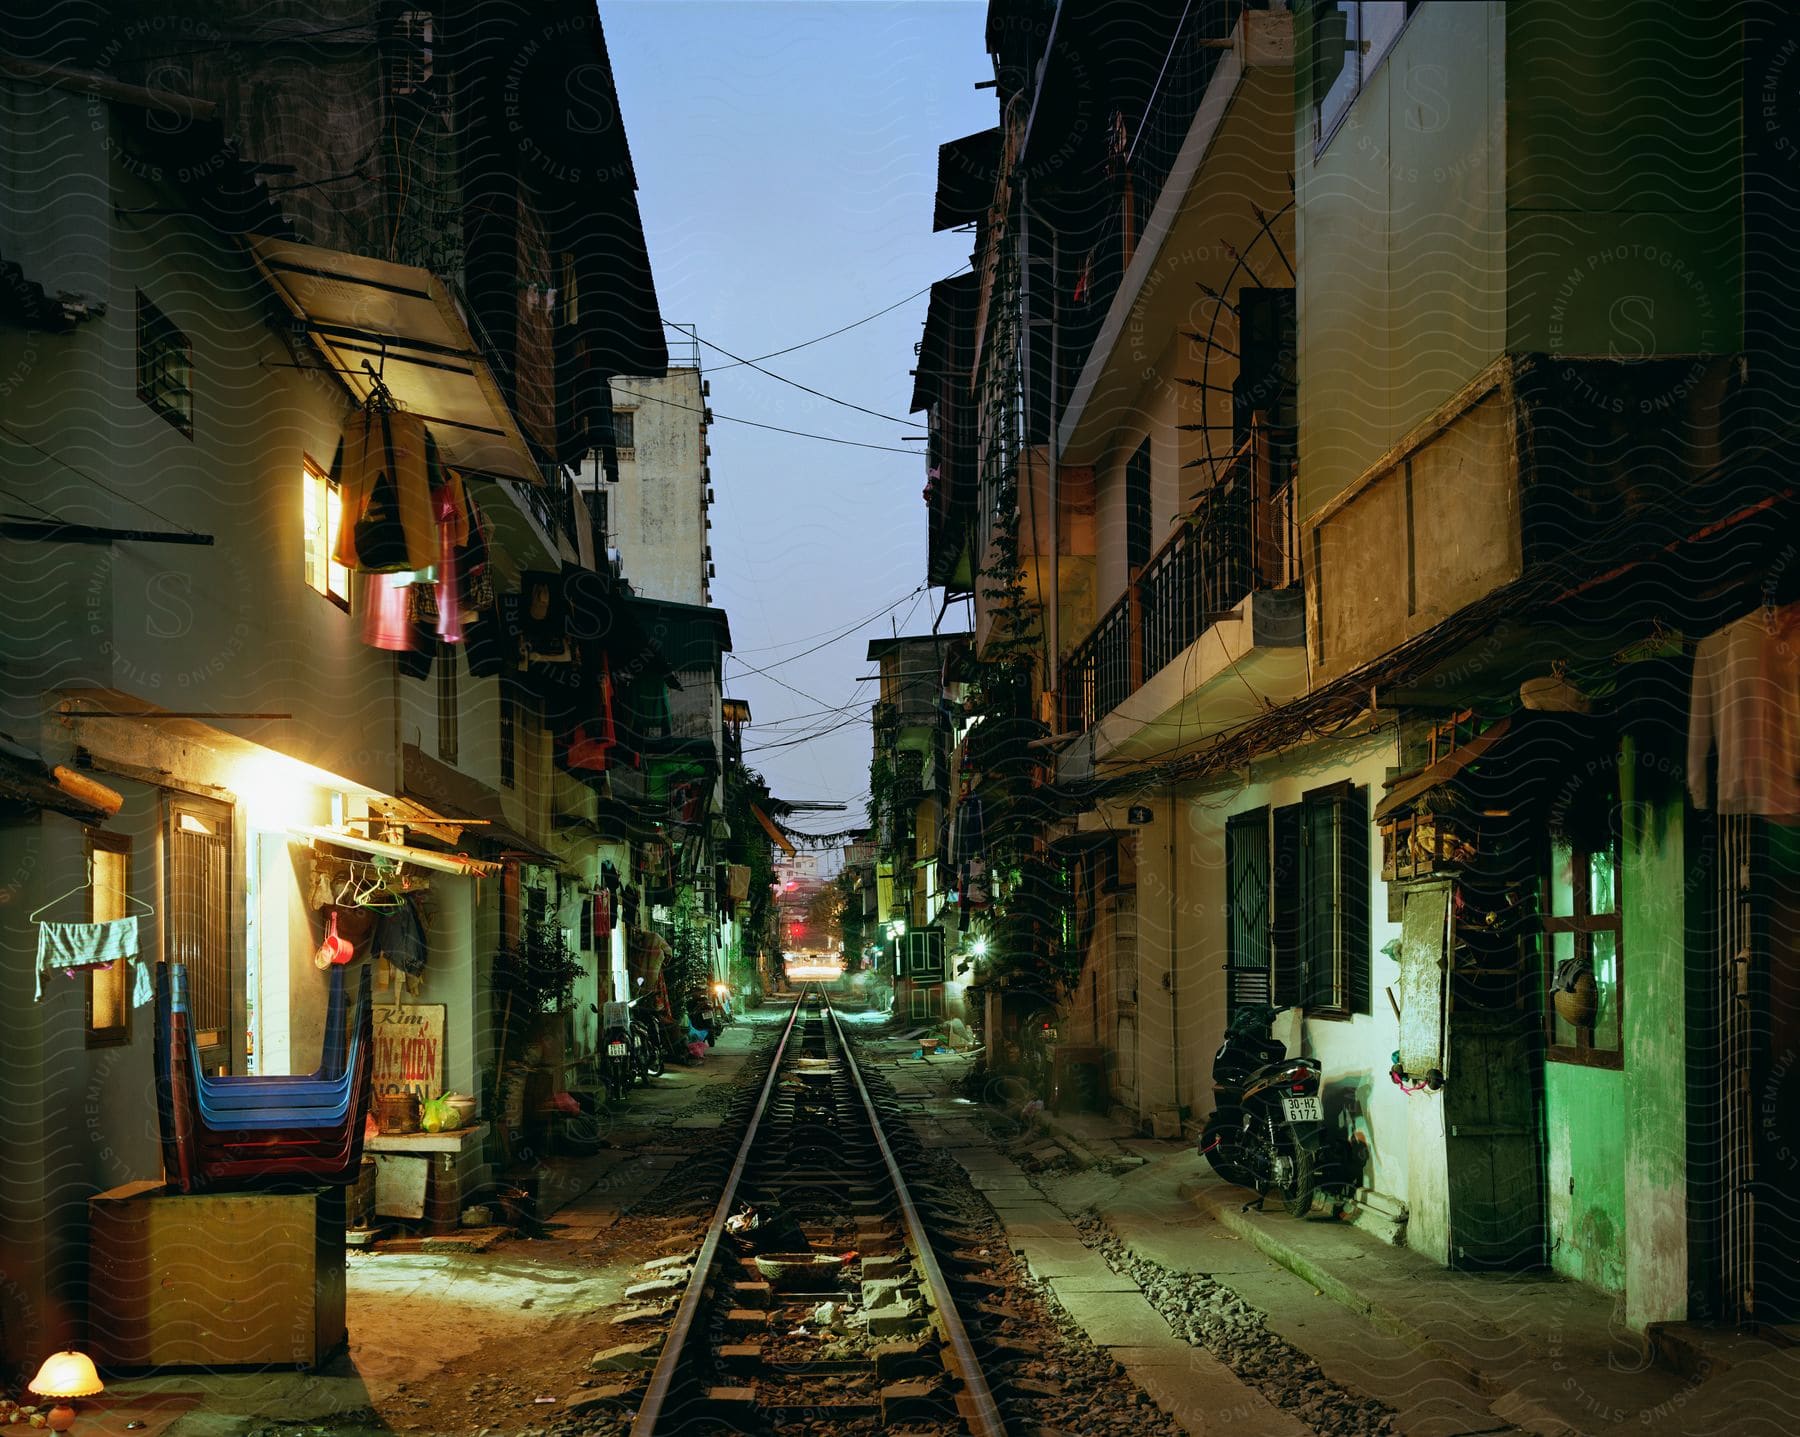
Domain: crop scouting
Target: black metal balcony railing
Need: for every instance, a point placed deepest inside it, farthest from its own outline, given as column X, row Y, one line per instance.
column 1240, row 537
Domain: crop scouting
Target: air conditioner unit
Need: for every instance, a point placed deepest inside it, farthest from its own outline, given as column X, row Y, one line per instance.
column 615, row 564
column 706, row 415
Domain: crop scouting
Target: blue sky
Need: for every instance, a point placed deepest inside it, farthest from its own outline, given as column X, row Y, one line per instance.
column 786, row 158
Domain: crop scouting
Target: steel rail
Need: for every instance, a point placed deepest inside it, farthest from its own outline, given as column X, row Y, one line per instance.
column 662, row 1379
column 985, row 1421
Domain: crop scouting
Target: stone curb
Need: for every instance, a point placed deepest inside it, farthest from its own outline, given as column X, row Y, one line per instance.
column 1511, row 1403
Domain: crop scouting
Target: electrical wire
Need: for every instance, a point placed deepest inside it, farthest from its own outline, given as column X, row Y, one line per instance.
column 839, row 637
column 803, row 388
column 100, row 483
column 844, row 329
column 808, row 638
column 776, row 428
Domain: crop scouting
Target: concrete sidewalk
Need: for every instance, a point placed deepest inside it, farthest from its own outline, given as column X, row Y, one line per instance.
column 1451, row 1352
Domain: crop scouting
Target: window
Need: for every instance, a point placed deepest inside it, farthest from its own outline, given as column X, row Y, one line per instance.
column 509, row 736
column 1349, row 41
column 165, row 367
column 1137, row 508
column 1334, row 901
column 446, row 701
column 1582, row 949
column 1297, row 904
column 624, row 428
column 324, row 512
column 109, row 988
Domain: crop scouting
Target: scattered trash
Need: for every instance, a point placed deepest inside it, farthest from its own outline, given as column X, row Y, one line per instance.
column 477, row 1216
column 543, row 1399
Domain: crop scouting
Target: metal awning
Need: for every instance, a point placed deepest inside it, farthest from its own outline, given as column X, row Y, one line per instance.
column 26, row 779
column 1441, row 772
column 458, row 863
column 403, row 322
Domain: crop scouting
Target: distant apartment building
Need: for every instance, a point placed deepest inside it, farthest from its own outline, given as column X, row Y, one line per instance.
column 655, row 514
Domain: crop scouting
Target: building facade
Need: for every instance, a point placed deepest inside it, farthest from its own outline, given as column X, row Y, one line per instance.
column 1409, row 462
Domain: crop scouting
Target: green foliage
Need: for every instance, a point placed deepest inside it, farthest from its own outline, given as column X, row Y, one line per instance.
column 538, row 974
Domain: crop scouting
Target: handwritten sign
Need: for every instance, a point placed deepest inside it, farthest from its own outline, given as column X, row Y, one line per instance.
column 409, row 1049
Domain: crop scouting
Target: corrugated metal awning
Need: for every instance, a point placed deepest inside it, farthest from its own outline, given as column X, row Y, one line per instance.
column 404, row 322
column 1441, row 772
column 458, row 863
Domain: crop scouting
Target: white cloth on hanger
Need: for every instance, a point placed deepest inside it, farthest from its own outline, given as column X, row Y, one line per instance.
column 1746, row 696
column 69, row 947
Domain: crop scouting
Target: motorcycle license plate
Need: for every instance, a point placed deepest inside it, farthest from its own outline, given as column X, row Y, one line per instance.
column 1303, row 1110
column 615, row 1050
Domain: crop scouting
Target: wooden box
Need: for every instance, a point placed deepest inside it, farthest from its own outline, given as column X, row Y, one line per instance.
column 215, row 1279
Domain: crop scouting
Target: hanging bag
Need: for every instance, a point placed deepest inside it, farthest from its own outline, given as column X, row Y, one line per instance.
column 384, row 466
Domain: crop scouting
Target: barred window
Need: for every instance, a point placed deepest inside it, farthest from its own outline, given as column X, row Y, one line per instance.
column 165, row 366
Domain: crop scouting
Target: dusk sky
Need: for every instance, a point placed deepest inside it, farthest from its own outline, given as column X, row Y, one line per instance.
column 787, row 156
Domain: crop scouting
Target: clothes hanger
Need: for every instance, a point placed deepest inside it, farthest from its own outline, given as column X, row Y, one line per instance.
column 149, row 911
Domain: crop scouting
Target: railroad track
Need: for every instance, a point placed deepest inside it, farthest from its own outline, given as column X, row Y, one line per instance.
column 901, row 1338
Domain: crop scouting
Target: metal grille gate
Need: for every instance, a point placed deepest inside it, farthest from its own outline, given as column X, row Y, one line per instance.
column 198, row 929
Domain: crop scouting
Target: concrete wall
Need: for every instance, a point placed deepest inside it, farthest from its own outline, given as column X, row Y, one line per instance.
column 1400, row 241
column 656, row 513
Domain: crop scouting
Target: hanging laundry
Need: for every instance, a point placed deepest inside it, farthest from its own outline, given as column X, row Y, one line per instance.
column 1746, row 697
column 452, row 519
column 603, row 921
column 400, row 938
column 543, row 616
column 69, row 948
column 386, row 463
column 386, row 615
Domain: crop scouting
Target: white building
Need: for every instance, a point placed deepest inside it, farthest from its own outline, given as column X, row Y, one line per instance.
column 656, row 516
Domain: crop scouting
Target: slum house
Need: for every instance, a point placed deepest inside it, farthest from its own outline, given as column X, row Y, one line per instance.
column 1494, row 815
column 247, row 819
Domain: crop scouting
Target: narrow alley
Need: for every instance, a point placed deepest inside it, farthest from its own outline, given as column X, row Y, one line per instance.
column 1025, row 718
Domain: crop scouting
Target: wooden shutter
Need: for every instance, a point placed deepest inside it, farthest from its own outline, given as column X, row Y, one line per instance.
column 1285, row 904
column 1353, row 898
column 1318, row 903
column 1334, row 885
column 1247, row 978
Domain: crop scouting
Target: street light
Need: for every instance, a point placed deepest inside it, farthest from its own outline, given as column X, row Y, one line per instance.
column 979, row 947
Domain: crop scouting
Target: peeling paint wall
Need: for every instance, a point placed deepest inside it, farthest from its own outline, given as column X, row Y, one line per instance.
column 656, row 513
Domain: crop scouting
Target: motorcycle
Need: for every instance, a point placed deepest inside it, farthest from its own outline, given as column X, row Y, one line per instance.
column 646, row 1039
column 705, row 1018
column 617, row 1064
column 1268, row 1119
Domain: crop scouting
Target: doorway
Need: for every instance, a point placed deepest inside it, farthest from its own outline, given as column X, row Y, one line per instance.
column 199, row 929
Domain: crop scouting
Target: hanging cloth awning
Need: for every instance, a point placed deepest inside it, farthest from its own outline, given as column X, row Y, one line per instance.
column 405, row 322
column 776, row 836
column 457, row 863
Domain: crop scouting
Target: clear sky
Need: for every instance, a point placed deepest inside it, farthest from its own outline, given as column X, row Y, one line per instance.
column 786, row 157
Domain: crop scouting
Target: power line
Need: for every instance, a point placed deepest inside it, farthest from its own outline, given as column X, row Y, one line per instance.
column 803, row 388
column 806, row 343
column 98, row 483
column 836, row 638
column 797, row 433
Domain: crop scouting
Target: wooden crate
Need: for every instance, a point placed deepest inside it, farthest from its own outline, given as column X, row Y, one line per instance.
column 215, row 1279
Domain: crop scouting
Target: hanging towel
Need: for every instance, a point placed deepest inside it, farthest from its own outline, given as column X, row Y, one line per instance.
column 1746, row 697
column 69, row 947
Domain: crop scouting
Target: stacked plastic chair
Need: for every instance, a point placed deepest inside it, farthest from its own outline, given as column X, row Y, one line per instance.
column 259, row 1131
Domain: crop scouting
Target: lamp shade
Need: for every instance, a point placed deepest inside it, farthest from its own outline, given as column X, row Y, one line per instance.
column 67, row 1374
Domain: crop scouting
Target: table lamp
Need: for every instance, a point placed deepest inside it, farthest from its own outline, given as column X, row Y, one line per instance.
column 65, row 1375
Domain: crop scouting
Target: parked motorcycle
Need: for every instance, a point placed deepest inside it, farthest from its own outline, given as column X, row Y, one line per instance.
column 646, row 1039
column 704, row 1016
column 617, row 1064
column 1268, row 1119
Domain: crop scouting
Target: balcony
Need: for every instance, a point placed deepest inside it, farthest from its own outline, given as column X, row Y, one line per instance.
column 1232, row 567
